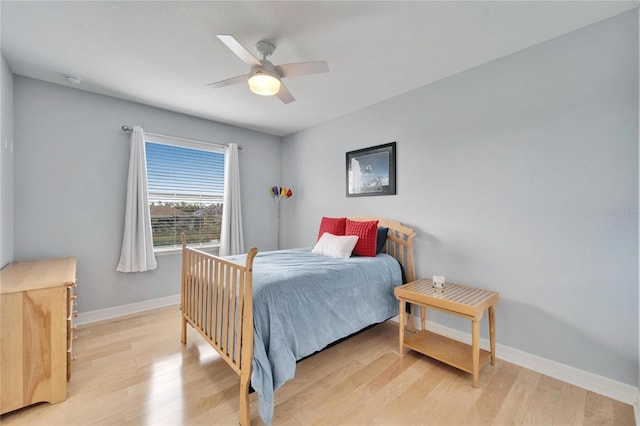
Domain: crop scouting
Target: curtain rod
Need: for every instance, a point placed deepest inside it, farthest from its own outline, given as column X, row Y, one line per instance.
column 126, row 128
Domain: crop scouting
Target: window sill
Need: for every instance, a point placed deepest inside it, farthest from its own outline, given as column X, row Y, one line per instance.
column 171, row 250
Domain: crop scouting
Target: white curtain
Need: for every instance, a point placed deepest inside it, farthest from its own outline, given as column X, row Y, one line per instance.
column 231, row 238
column 137, row 240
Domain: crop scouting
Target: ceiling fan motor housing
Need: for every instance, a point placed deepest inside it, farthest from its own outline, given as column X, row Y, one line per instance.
column 266, row 68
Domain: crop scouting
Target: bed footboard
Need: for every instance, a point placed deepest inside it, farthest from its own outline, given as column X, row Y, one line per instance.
column 216, row 299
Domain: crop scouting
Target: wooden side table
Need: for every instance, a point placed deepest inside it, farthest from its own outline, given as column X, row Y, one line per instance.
column 455, row 299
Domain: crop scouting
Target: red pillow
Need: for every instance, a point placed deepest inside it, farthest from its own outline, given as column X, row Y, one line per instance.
column 367, row 233
column 332, row 225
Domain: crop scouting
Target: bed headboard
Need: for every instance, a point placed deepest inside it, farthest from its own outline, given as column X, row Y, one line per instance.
column 399, row 242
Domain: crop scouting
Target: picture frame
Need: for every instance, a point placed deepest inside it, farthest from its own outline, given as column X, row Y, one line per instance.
column 371, row 171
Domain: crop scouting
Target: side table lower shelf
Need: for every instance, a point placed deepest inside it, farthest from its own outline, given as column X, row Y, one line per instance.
column 444, row 349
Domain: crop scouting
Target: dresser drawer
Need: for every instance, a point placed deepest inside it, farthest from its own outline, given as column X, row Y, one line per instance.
column 72, row 312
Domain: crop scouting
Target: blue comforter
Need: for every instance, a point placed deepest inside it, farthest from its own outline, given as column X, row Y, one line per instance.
column 304, row 301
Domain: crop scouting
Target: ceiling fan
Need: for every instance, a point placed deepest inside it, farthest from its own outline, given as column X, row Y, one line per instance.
column 264, row 77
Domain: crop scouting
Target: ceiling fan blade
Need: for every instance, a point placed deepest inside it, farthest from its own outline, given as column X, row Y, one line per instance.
column 240, row 51
column 302, row 68
column 229, row 81
column 285, row 95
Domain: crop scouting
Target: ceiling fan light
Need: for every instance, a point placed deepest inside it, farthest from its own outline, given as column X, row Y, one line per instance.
column 264, row 84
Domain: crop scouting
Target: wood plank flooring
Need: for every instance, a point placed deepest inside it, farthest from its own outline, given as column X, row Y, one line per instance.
column 134, row 371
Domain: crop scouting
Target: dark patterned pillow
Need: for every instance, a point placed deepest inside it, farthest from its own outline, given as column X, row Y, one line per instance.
column 381, row 239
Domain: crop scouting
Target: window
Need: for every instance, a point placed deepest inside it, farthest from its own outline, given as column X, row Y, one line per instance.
column 186, row 188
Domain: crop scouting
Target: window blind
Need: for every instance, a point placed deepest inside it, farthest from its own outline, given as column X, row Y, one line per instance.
column 186, row 189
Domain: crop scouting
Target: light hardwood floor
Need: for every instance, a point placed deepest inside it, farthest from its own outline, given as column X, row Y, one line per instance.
column 134, row 371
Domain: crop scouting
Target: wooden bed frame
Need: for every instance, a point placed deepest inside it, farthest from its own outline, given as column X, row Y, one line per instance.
column 217, row 300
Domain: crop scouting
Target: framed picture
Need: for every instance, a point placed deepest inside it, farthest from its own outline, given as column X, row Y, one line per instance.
column 372, row 171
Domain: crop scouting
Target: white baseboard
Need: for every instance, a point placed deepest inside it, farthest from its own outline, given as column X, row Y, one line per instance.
column 123, row 310
column 602, row 385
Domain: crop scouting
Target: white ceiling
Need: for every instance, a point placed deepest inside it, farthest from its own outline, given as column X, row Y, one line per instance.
column 164, row 53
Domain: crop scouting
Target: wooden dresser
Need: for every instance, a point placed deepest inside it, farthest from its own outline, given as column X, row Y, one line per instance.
column 37, row 300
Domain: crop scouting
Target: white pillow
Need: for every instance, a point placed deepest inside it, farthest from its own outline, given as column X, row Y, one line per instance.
column 335, row 246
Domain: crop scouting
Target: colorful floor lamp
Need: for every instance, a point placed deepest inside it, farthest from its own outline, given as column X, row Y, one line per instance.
column 280, row 194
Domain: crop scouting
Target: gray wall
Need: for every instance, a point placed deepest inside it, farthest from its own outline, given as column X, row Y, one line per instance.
column 6, row 164
column 71, row 162
column 520, row 176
